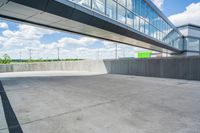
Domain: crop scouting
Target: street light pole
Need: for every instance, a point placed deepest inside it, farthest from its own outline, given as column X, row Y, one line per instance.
column 98, row 54
column 30, row 54
column 20, row 56
column 124, row 53
column 116, row 51
column 58, row 52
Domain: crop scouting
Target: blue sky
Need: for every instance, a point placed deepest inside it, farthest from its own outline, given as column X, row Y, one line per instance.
column 171, row 7
column 17, row 38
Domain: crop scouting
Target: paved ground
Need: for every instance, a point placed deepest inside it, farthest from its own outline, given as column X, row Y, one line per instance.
column 63, row 102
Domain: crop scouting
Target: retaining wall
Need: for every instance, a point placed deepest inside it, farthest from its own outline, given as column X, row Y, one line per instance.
column 85, row 65
column 176, row 67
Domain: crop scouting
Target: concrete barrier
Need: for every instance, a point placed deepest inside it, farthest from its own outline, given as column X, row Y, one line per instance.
column 85, row 65
column 176, row 67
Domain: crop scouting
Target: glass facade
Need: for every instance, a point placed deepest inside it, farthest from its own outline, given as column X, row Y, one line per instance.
column 192, row 44
column 111, row 9
column 138, row 15
column 99, row 5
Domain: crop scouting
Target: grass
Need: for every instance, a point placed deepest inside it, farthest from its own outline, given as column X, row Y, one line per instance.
column 40, row 60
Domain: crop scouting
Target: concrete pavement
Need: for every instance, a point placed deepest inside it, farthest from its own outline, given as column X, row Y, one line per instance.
column 75, row 102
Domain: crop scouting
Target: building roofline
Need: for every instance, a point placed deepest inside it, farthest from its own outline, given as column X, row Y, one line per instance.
column 191, row 25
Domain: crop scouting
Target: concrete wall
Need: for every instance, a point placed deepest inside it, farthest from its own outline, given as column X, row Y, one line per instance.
column 180, row 68
column 176, row 67
column 86, row 65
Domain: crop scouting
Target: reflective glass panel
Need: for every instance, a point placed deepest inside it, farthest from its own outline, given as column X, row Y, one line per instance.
column 86, row 3
column 111, row 9
column 129, row 18
column 130, row 5
column 142, row 25
column 121, row 16
column 142, row 9
column 146, row 28
column 152, row 31
column 137, row 7
column 192, row 44
column 98, row 5
column 122, row 2
column 136, row 23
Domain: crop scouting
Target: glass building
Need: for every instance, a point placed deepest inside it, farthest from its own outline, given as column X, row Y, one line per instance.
column 138, row 15
column 191, row 35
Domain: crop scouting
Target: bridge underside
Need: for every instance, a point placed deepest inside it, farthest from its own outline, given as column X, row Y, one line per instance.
column 74, row 18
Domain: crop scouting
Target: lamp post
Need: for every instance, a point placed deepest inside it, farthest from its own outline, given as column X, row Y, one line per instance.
column 116, row 56
column 20, row 56
column 30, row 54
column 58, row 52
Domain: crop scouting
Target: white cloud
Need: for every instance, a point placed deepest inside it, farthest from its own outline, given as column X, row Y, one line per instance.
column 25, row 37
column 158, row 3
column 27, row 32
column 83, row 41
column 3, row 25
column 82, row 49
column 70, row 43
column 190, row 15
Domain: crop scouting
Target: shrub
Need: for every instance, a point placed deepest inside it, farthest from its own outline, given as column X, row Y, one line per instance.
column 6, row 59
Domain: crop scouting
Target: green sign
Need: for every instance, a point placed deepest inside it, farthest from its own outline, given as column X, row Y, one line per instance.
column 146, row 54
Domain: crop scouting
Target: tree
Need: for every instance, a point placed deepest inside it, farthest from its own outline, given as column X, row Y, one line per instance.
column 6, row 59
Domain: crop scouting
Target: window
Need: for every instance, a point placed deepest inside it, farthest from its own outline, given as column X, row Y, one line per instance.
column 136, row 23
column 152, row 31
column 158, row 32
column 146, row 12
column 161, row 36
column 129, row 18
column 146, row 28
column 130, row 5
column 177, row 43
column 159, row 23
column 155, row 19
column 142, row 10
column 121, row 16
column 134, row 5
column 122, row 2
column 152, row 17
column 86, row 3
column 192, row 44
column 165, row 28
column 149, row 13
column 137, row 7
column 99, row 5
column 111, row 9
column 142, row 25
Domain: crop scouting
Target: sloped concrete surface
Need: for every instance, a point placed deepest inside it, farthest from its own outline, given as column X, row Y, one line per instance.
column 71, row 102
